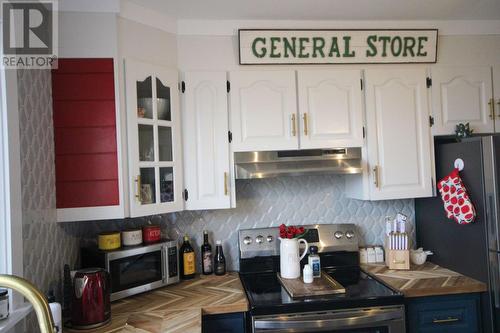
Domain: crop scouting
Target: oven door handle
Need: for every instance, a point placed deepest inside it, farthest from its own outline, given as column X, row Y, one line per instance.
column 324, row 324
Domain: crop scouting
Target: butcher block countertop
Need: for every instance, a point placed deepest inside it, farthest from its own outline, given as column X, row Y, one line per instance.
column 176, row 308
column 425, row 280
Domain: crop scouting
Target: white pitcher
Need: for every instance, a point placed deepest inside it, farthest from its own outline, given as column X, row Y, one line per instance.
column 289, row 257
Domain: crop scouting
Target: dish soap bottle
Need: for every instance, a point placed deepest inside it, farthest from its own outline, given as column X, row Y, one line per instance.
column 187, row 262
column 220, row 260
column 314, row 261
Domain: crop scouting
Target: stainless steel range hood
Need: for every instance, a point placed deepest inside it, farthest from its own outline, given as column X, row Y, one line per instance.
column 266, row 164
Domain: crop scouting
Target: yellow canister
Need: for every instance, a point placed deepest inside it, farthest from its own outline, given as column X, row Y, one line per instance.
column 109, row 241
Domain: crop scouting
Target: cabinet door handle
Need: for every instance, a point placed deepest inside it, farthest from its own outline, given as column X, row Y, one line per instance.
column 447, row 320
column 138, row 194
column 491, row 104
column 305, row 123
column 225, row 184
column 294, row 125
column 375, row 176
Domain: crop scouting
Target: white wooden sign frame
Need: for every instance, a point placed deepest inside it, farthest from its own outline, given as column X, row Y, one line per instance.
column 334, row 46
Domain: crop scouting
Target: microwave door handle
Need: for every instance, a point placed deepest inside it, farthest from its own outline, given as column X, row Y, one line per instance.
column 163, row 263
column 325, row 324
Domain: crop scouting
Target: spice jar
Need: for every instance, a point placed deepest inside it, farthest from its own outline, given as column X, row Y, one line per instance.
column 4, row 304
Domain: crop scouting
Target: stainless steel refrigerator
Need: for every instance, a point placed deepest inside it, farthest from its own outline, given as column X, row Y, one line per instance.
column 473, row 249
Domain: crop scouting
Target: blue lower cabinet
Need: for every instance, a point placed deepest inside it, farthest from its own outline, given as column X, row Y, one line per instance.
column 224, row 323
column 443, row 314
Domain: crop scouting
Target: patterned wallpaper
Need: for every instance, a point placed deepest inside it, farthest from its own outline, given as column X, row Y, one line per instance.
column 47, row 246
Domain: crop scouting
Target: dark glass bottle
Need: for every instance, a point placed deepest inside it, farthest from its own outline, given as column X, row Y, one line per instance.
column 219, row 261
column 207, row 266
column 188, row 260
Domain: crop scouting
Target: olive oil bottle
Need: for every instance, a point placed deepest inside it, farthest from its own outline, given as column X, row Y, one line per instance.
column 188, row 260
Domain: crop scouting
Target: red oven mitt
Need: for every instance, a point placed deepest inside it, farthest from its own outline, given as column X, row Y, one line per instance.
column 457, row 203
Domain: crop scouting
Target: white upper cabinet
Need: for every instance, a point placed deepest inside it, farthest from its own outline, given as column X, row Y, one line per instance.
column 263, row 110
column 154, row 139
column 205, row 140
column 398, row 133
column 496, row 96
column 330, row 108
column 462, row 94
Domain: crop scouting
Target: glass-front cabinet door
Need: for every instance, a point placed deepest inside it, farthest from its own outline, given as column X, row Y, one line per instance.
column 154, row 143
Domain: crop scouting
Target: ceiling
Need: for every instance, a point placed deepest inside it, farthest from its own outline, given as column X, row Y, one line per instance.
column 326, row 9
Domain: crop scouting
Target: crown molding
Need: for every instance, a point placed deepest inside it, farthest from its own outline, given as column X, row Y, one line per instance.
column 230, row 27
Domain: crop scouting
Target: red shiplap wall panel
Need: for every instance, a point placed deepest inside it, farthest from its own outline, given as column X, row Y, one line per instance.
column 83, row 95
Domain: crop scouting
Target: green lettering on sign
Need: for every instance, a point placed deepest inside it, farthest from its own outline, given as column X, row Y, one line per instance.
column 263, row 50
column 396, row 46
column 273, row 53
column 289, row 47
column 385, row 40
column 302, row 47
column 421, row 41
column 334, row 48
column 409, row 43
column 372, row 49
column 348, row 54
column 318, row 45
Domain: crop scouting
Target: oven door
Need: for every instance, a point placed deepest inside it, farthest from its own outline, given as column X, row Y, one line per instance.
column 363, row 320
column 137, row 270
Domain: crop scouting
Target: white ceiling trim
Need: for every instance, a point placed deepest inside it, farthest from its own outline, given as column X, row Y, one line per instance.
column 134, row 12
column 230, row 27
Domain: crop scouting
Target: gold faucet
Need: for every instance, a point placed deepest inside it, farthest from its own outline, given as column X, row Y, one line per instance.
column 35, row 297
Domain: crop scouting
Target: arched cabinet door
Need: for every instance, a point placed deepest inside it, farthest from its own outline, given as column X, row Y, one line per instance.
column 263, row 110
column 330, row 108
column 399, row 147
column 207, row 176
column 462, row 94
column 154, row 139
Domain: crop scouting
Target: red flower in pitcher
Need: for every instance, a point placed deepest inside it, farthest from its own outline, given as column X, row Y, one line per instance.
column 291, row 232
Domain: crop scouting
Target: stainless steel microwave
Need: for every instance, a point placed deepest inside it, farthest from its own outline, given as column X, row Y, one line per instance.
column 136, row 269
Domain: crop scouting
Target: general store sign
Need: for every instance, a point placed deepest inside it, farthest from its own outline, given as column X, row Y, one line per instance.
column 258, row 47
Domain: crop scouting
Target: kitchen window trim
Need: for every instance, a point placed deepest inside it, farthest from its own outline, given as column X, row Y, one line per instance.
column 11, row 236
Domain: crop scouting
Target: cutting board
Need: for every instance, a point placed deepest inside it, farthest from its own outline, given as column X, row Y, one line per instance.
column 325, row 285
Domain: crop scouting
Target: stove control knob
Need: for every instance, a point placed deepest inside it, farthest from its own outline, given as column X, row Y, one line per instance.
column 338, row 234
column 247, row 240
column 269, row 239
column 259, row 239
column 349, row 234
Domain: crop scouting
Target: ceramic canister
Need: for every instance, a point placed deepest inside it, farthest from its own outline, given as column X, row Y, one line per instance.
column 109, row 241
column 132, row 237
column 151, row 233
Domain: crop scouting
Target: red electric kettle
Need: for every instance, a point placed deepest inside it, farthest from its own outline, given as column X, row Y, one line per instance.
column 90, row 302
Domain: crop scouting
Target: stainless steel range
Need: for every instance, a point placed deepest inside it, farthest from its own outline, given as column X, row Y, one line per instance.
column 368, row 305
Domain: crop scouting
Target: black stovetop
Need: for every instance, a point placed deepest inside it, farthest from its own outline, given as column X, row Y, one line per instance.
column 267, row 296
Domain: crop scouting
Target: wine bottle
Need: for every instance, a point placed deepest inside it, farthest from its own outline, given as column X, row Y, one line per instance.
column 207, row 267
column 187, row 262
column 220, row 261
